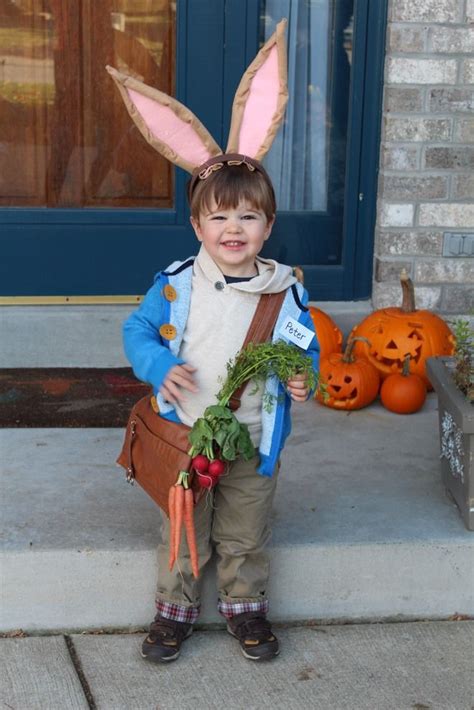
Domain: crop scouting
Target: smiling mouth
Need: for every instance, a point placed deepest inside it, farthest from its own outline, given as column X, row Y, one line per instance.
column 233, row 244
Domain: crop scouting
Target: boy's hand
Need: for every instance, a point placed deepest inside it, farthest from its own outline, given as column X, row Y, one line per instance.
column 298, row 388
column 179, row 378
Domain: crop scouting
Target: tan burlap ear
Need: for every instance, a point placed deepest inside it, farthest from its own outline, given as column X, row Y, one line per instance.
column 245, row 122
column 171, row 128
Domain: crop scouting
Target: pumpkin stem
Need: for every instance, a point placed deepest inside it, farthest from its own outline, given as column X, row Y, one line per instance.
column 408, row 290
column 406, row 366
column 348, row 356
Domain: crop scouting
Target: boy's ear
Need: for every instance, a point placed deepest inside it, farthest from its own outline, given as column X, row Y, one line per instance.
column 197, row 227
column 171, row 128
column 260, row 100
column 270, row 224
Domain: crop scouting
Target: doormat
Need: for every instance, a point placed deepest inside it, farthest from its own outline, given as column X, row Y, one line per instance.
column 68, row 397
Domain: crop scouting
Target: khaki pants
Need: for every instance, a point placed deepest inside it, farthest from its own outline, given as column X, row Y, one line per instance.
column 233, row 520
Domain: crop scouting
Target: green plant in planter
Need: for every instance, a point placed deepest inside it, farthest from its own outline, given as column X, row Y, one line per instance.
column 463, row 373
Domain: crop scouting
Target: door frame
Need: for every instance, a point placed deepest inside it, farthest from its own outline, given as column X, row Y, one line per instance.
column 351, row 279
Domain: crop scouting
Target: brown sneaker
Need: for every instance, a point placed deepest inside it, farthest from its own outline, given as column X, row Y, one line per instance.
column 164, row 640
column 254, row 632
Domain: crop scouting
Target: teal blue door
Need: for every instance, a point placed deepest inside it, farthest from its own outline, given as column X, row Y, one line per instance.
column 88, row 209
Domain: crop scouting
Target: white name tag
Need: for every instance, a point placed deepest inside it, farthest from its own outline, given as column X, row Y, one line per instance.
column 297, row 333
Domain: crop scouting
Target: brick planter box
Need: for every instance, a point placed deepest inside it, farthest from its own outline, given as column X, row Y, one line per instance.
column 456, row 429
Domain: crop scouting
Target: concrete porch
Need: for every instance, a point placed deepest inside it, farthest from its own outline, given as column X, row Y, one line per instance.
column 363, row 530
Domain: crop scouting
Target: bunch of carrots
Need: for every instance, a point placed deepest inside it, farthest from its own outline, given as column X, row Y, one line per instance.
column 181, row 513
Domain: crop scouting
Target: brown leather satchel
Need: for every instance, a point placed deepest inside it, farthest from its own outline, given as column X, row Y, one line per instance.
column 156, row 449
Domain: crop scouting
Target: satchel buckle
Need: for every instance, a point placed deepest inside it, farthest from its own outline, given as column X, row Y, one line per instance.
column 130, row 471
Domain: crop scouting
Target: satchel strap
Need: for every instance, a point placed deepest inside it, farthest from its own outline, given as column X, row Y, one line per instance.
column 259, row 331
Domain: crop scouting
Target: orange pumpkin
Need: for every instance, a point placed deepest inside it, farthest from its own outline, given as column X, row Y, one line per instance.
column 403, row 393
column 328, row 334
column 348, row 382
column 395, row 333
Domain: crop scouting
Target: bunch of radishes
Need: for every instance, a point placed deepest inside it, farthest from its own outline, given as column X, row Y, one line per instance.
column 208, row 472
column 218, row 438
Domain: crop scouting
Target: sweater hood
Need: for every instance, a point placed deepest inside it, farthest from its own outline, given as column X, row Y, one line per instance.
column 272, row 277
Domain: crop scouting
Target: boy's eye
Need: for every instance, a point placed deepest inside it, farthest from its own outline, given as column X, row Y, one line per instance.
column 217, row 217
column 249, row 216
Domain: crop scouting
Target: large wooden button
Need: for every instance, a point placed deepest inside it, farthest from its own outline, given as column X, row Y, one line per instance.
column 169, row 292
column 168, row 331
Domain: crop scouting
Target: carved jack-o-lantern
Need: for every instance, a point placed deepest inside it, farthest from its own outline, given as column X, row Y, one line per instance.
column 328, row 334
column 395, row 333
column 347, row 382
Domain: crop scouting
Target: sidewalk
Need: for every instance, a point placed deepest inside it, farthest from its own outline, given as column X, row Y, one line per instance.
column 406, row 666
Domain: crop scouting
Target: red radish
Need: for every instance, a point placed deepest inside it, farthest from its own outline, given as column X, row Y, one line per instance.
column 200, row 463
column 206, row 481
column 216, row 468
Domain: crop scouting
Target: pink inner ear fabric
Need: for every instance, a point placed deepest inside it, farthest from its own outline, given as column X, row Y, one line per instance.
column 165, row 125
column 261, row 105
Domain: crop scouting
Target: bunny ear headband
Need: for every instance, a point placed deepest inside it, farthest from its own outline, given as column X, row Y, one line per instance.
column 257, row 112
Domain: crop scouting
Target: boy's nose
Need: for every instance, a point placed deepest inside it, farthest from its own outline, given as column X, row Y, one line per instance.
column 234, row 226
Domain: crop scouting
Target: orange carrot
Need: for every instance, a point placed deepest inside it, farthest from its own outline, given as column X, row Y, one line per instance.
column 172, row 516
column 190, row 530
column 179, row 496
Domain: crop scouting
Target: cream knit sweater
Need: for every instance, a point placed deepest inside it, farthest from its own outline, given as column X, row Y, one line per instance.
column 217, row 324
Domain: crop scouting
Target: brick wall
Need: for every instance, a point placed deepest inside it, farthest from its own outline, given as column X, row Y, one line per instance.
column 426, row 182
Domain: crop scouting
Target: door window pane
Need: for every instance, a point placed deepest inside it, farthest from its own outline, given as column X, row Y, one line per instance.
column 66, row 139
column 307, row 160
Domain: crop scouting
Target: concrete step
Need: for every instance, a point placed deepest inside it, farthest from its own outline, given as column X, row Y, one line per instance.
column 362, row 528
column 91, row 336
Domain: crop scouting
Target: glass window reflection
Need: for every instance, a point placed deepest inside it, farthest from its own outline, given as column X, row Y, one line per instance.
column 65, row 137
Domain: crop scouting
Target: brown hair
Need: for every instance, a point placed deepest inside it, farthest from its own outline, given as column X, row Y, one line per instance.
column 229, row 186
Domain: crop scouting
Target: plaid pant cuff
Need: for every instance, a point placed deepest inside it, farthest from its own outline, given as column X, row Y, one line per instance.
column 230, row 609
column 176, row 612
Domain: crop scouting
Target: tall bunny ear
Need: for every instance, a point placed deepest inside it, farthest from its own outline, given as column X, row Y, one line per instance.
column 260, row 100
column 171, row 128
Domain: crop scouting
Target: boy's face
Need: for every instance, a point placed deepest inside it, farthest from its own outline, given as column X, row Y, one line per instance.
column 233, row 237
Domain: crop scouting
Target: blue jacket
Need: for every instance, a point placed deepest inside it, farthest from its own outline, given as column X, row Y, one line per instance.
column 153, row 349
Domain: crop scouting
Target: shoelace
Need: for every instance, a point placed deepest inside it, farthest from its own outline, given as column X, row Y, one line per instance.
column 168, row 629
column 256, row 627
